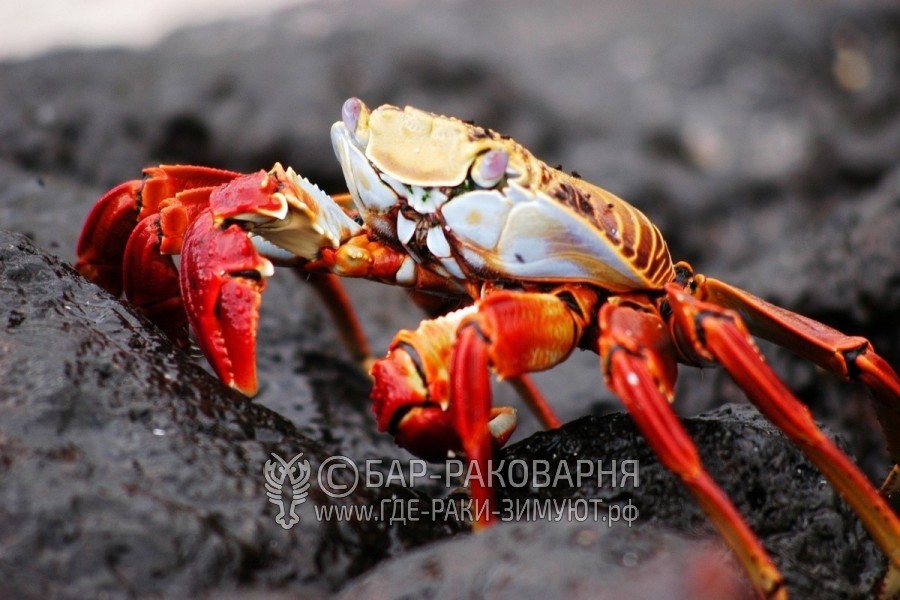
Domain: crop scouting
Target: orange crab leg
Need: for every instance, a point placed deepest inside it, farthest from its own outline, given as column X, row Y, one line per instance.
column 850, row 357
column 639, row 365
column 716, row 333
column 535, row 401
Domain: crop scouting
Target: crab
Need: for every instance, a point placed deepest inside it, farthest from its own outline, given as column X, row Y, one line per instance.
column 533, row 264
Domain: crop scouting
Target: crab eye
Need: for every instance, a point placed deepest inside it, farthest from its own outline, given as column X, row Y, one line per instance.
column 490, row 168
column 355, row 116
column 350, row 113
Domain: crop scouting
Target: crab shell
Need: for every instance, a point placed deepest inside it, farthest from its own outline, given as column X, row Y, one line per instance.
column 468, row 203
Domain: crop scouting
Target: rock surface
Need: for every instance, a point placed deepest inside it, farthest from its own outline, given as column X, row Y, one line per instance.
column 822, row 550
column 127, row 470
column 511, row 562
column 762, row 140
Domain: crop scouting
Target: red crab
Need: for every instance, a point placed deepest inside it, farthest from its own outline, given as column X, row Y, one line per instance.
column 545, row 263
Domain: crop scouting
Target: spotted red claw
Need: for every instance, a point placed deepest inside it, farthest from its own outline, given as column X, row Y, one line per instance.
column 222, row 278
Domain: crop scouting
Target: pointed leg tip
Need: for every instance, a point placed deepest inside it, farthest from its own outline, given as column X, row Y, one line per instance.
column 890, row 585
column 249, row 387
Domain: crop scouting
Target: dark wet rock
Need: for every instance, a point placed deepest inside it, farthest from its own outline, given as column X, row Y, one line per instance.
column 811, row 533
column 762, row 139
column 641, row 537
column 128, row 470
column 745, row 133
column 523, row 561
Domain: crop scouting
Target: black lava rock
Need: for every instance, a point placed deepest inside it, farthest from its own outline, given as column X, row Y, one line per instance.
column 811, row 533
column 762, row 139
column 127, row 470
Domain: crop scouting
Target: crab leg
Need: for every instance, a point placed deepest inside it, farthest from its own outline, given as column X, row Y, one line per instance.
column 150, row 281
column 850, row 357
column 713, row 333
column 495, row 335
column 640, row 367
column 336, row 301
column 105, row 234
column 535, row 401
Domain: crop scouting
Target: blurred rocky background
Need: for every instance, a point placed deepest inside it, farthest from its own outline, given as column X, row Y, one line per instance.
column 761, row 138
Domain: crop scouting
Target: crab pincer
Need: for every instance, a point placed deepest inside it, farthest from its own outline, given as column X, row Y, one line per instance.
column 222, row 279
column 223, row 275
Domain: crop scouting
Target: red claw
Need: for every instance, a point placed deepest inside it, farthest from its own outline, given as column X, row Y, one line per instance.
column 248, row 194
column 403, row 407
column 410, row 399
column 122, row 255
column 222, row 280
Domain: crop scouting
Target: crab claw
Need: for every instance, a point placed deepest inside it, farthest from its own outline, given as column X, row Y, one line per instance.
column 222, row 280
column 109, row 225
column 403, row 408
column 411, row 392
column 419, row 422
column 288, row 217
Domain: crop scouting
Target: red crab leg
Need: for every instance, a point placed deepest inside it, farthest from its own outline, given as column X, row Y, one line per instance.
column 516, row 333
column 470, row 406
column 640, row 367
column 850, row 357
column 718, row 334
column 150, row 280
column 535, row 401
column 105, row 234
column 336, row 301
column 222, row 278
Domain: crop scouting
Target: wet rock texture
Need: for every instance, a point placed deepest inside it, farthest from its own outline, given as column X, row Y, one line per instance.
column 761, row 139
column 129, row 471
column 822, row 550
column 587, row 560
